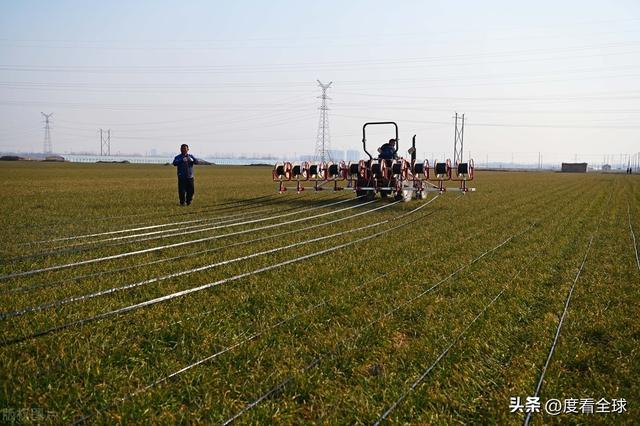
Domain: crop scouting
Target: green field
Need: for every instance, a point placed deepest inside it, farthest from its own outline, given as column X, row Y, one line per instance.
column 329, row 309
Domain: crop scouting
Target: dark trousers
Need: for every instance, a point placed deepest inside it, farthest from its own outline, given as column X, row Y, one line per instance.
column 185, row 189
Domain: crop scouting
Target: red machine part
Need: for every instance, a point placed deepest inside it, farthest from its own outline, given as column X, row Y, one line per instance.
column 282, row 172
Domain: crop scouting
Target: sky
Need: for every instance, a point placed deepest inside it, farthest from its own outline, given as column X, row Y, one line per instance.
column 559, row 79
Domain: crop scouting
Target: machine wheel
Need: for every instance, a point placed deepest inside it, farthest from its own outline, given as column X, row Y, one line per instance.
column 385, row 193
column 370, row 195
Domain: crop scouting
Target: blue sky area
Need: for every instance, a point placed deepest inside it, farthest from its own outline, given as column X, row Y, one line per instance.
column 559, row 78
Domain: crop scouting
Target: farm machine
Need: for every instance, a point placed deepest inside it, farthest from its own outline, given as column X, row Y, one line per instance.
column 402, row 178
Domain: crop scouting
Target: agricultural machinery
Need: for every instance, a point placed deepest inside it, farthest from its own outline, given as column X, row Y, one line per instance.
column 398, row 177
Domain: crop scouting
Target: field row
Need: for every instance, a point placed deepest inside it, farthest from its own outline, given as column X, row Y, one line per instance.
column 335, row 311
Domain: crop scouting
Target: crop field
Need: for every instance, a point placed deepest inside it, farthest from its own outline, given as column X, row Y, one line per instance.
column 118, row 305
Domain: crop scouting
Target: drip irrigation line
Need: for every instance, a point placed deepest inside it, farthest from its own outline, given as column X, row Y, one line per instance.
column 438, row 359
column 359, row 333
column 165, row 234
column 268, row 394
column 527, row 418
column 246, row 340
column 633, row 237
column 222, row 225
column 132, row 239
column 155, row 226
column 141, row 228
column 453, row 342
column 201, row 361
column 82, row 298
column 157, row 248
column 55, row 283
column 183, row 293
column 211, row 207
column 252, row 337
column 354, row 289
column 227, row 246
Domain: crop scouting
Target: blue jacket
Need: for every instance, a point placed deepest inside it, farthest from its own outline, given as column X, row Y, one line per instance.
column 387, row 152
column 185, row 168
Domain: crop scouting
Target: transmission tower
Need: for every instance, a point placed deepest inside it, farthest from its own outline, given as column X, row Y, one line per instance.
column 48, row 147
column 323, row 141
column 458, row 140
column 105, row 142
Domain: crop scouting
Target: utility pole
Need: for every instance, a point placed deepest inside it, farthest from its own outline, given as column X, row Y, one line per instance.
column 47, row 146
column 539, row 161
column 323, row 141
column 458, row 139
column 105, row 142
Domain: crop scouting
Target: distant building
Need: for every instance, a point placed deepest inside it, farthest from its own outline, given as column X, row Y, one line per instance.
column 574, row 167
column 606, row 168
column 353, row 155
column 336, row 155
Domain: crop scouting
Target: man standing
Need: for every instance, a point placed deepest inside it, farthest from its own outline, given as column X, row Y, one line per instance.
column 184, row 163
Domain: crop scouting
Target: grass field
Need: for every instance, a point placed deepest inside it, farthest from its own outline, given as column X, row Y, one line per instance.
column 320, row 308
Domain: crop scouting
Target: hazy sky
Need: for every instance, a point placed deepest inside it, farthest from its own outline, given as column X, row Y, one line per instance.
column 559, row 77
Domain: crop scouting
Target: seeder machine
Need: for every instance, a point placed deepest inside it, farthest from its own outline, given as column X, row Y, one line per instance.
column 400, row 177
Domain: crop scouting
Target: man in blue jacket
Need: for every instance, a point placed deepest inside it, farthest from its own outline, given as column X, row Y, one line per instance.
column 184, row 163
column 388, row 150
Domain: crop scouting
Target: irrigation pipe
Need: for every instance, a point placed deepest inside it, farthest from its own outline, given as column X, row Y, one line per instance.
column 444, row 353
column 252, row 337
column 633, row 236
column 72, row 299
column 51, row 284
column 267, row 209
column 359, row 333
column 438, row 359
column 180, row 244
column 155, row 262
column 527, row 418
column 209, row 208
column 136, row 238
column 206, row 286
column 53, row 268
column 204, row 228
column 220, row 226
column 142, row 228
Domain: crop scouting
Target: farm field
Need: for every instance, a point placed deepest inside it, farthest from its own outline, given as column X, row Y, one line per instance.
column 118, row 305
